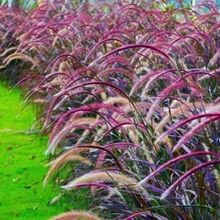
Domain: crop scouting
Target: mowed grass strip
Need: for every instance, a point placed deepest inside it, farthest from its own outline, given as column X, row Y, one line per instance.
column 22, row 166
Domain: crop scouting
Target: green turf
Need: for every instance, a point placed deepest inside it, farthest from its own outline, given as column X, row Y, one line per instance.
column 22, row 166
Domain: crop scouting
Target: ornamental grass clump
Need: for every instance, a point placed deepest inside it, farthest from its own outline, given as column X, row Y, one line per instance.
column 10, row 67
column 130, row 92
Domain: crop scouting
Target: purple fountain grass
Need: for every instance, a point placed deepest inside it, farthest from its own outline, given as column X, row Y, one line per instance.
column 126, row 88
column 127, row 47
column 174, row 161
column 193, row 132
column 186, row 175
column 183, row 122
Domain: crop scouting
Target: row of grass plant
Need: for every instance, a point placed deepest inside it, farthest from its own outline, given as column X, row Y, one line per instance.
column 131, row 91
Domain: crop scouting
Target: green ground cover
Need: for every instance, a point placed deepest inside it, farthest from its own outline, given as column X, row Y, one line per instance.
column 22, row 166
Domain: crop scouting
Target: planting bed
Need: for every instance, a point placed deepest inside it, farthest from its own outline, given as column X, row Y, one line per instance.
column 129, row 99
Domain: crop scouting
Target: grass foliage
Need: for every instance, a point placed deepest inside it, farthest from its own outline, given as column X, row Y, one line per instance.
column 132, row 92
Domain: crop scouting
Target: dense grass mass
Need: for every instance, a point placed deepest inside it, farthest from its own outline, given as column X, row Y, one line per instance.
column 22, row 166
column 129, row 90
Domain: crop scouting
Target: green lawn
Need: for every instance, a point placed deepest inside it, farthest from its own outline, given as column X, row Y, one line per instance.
column 22, row 166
